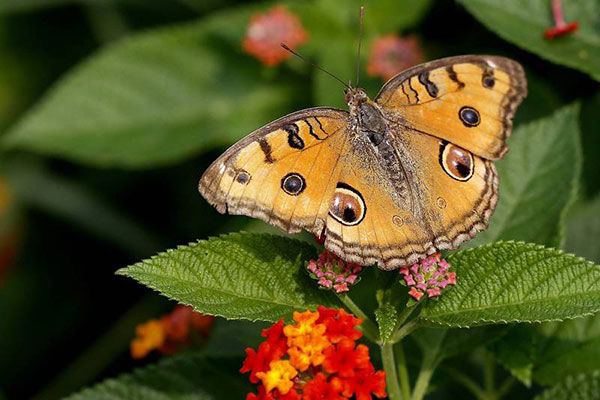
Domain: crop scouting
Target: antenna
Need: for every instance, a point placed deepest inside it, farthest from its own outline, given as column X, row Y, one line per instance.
column 314, row 65
column 362, row 12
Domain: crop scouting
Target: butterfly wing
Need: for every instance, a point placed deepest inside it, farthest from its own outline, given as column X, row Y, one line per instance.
column 283, row 173
column 414, row 210
column 467, row 100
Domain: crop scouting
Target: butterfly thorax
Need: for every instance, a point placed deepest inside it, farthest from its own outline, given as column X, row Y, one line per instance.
column 367, row 116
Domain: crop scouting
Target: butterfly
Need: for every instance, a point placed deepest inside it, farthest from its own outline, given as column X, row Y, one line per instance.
column 393, row 179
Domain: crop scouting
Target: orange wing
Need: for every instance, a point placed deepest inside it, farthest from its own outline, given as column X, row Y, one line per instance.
column 467, row 100
column 283, row 173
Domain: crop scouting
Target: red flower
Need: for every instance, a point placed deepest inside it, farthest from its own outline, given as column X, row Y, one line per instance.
column 267, row 31
column 319, row 389
column 368, row 381
column 302, row 361
column 392, row 54
column 345, row 360
column 270, row 350
column 340, row 324
column 560, row 26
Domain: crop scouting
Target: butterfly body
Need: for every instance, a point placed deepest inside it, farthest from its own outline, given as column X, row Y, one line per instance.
column 393, row 179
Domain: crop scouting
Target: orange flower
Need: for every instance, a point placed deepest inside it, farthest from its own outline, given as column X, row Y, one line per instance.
column 392, row 54
column 171, row 333
column 267, row 31
column 317, row 368
column 149, row 336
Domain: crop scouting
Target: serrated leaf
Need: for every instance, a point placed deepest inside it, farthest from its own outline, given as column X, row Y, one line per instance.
column 158, row 97
column 516, row 282
column 582, row 387
column 543, row 154
column 236, row 276
column 387, row 317
column 185, row 377
column 583, row 231
column 524, row 22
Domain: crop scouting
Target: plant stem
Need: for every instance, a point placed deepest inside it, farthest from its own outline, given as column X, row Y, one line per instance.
column 404, row 331
column 368, row 326
column 506, row 386
column 467, row 382
column 391, row 375
column 430, row 361
column 402, row 371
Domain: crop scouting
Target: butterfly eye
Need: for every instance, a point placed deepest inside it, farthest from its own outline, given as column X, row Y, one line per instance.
column 456, row 162
column 469, row 116
column 293, row 184
column 347, row 206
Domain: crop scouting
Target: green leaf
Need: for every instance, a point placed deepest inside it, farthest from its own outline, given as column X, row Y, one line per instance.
column 516, row 282
column 582, row 387
column 543, row 154
column 583, row 231
column 236, row 276
column 387, row 317
column 546, row 353
column 524, row 22
column 456, row 341
column 516, row 352
column 335, row 24
column 159, row 97
column 186, row 377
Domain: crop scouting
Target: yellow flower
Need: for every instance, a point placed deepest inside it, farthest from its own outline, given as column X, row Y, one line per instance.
column 306, row 322
column 279, row 376
column 149, row 336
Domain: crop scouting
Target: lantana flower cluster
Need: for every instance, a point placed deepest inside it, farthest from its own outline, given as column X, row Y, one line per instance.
column 429, row 277
column 316, row 358
column 170, row 333
column 331, row 272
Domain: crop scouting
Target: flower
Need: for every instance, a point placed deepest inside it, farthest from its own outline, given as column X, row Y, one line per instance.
column 266, row 32
column 429, row 277
column 279, row 375
column 560, row 26
column 149, row 336
column 315, row 358
column 331, row 272
column 392, row 54
column 171, row 332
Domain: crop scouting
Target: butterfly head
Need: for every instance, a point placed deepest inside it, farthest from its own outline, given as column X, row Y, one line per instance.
column 355, row 97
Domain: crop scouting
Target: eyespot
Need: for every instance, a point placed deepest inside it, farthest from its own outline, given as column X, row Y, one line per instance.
column 293, row 184
column 469, row 116
column 457, row 162
column 242, row 177
column 347, row 205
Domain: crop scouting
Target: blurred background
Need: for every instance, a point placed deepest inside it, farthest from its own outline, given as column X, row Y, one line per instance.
column 110, row 110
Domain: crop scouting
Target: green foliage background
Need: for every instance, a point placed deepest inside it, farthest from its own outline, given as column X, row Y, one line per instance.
column 109, row 112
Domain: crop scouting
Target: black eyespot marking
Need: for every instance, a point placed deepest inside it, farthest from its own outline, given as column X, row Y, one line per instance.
column 469, row 116
column 293, row 184
column 457, row 162
column 347, row 205
column 242, row 177
column 294, row 139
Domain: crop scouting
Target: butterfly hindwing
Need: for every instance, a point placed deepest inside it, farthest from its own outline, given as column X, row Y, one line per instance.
column 467, row 100
column 437, row 209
